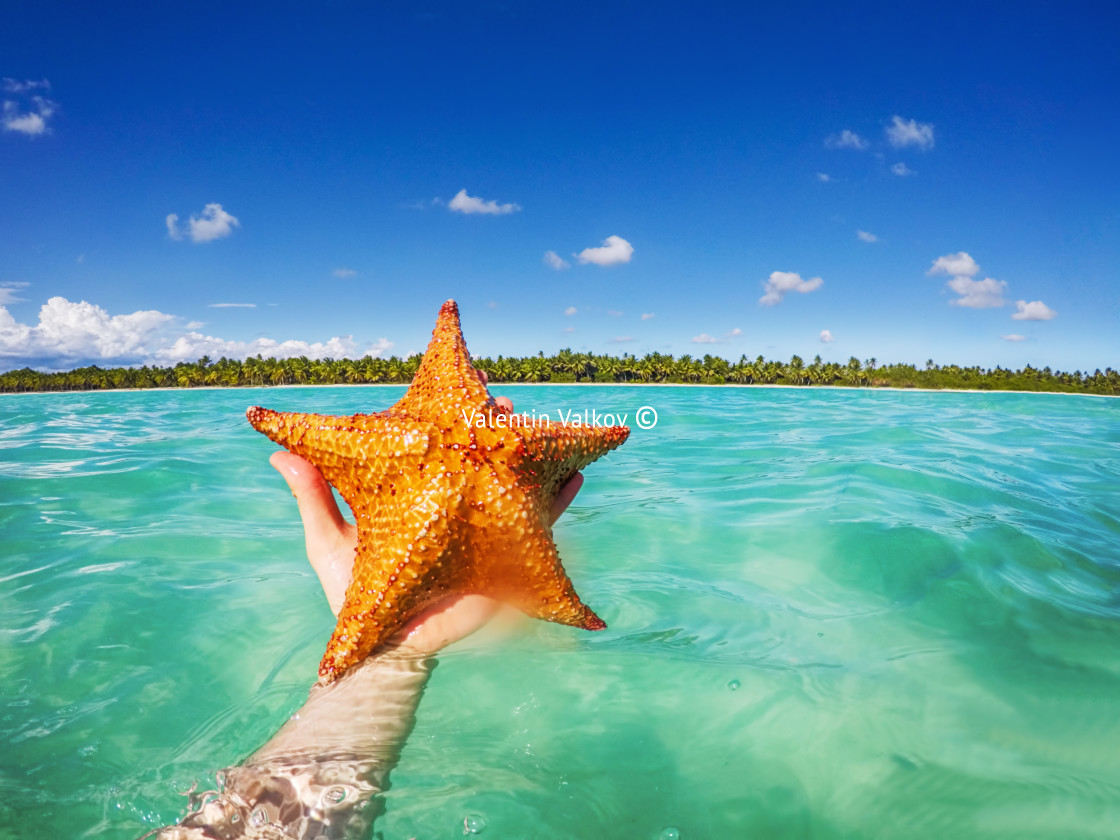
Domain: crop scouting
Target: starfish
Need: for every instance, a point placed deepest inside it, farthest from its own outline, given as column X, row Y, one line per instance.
column 450, row 492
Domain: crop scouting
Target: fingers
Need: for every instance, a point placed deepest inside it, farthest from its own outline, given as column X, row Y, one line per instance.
column 504, row 402
column 330, row 539
column 565, row 496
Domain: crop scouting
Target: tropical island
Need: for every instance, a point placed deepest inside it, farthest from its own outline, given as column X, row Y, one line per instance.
column 567, row 366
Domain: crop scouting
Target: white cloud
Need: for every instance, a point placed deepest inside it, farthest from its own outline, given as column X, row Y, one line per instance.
column 232, row 305
column 79, row 331
column 32, row 122
column 902, row 170
column 622, row 339
column 704, row 338
column 864, row 236
column 1014, row 337
column 823, row 177
column 194, row 345
column 902, row 133
column 734, row 333
column 958, row 263
column 9, row 292
column 973, row 294
column 569, row 329
column 782, row 282
column 614, row 313
column 213, row 223
column 826, row 337
column 977, row 294
column 70, row 334
column 1036, row 310
column 196, row 325
column 16, row 86
column 343, row 273
column 613, row 251
column 846, row 139
column 571, row 310
column 463, row 203
column 647, row 315
column 554, row 261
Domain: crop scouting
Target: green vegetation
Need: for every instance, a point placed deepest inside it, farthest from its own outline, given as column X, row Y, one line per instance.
column 567, row 366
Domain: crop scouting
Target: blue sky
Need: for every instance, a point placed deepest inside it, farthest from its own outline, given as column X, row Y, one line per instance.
column 911, row 181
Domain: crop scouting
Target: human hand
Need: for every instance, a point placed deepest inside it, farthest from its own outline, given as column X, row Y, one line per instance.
column 332, row 541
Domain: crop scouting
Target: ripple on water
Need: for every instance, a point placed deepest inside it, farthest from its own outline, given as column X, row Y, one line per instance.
column 830, row 613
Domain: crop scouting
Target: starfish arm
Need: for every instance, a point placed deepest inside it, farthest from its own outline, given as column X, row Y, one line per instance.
column 403, row 564
column 526, row 569
column 350, row 451
column 552, row 454
column 446, row 383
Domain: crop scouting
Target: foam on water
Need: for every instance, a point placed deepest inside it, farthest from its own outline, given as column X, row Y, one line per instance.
column 832, row 614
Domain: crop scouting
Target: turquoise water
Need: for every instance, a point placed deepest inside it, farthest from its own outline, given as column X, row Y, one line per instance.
column 833, row 614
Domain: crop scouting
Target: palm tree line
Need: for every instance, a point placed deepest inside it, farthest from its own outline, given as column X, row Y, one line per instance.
column 566, row 366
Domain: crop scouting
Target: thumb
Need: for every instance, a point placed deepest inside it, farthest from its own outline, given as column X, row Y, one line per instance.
column 317, row 505
column 330, row 538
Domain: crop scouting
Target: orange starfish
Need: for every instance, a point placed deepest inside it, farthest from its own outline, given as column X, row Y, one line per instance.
column 450, row 493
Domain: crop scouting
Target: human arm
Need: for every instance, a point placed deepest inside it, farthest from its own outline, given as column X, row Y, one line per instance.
column 318, row 775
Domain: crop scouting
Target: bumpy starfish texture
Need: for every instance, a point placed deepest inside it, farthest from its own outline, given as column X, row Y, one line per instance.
column 451, row 494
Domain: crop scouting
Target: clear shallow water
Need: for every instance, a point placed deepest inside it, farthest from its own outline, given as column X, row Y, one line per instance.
column 832, row 614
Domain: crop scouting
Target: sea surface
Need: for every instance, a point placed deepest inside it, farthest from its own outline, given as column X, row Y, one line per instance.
column 832, row 614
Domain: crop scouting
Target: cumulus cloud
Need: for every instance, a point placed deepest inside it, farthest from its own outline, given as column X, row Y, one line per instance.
column 78, row 331
column 958, row 263
column 901, row 133
column 194, row 345
column 864, row 236
column 977, row 294
column 823, row 177
column 1036, row 310
column 9, row 292
column 826, row 337
column 613, row 251
column 29, row 117
column 846, row 139
column 704, row 338
column 902, row 170
column 736, row 332
column 972, row 294
column 213, row 223
column 344, row 273
column 782, row 282
column 647, row 315
column 31, row 122
column 554, row 261
column 571, row 310
column 70, row 334
column 463, row 203
column 1014, row 337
